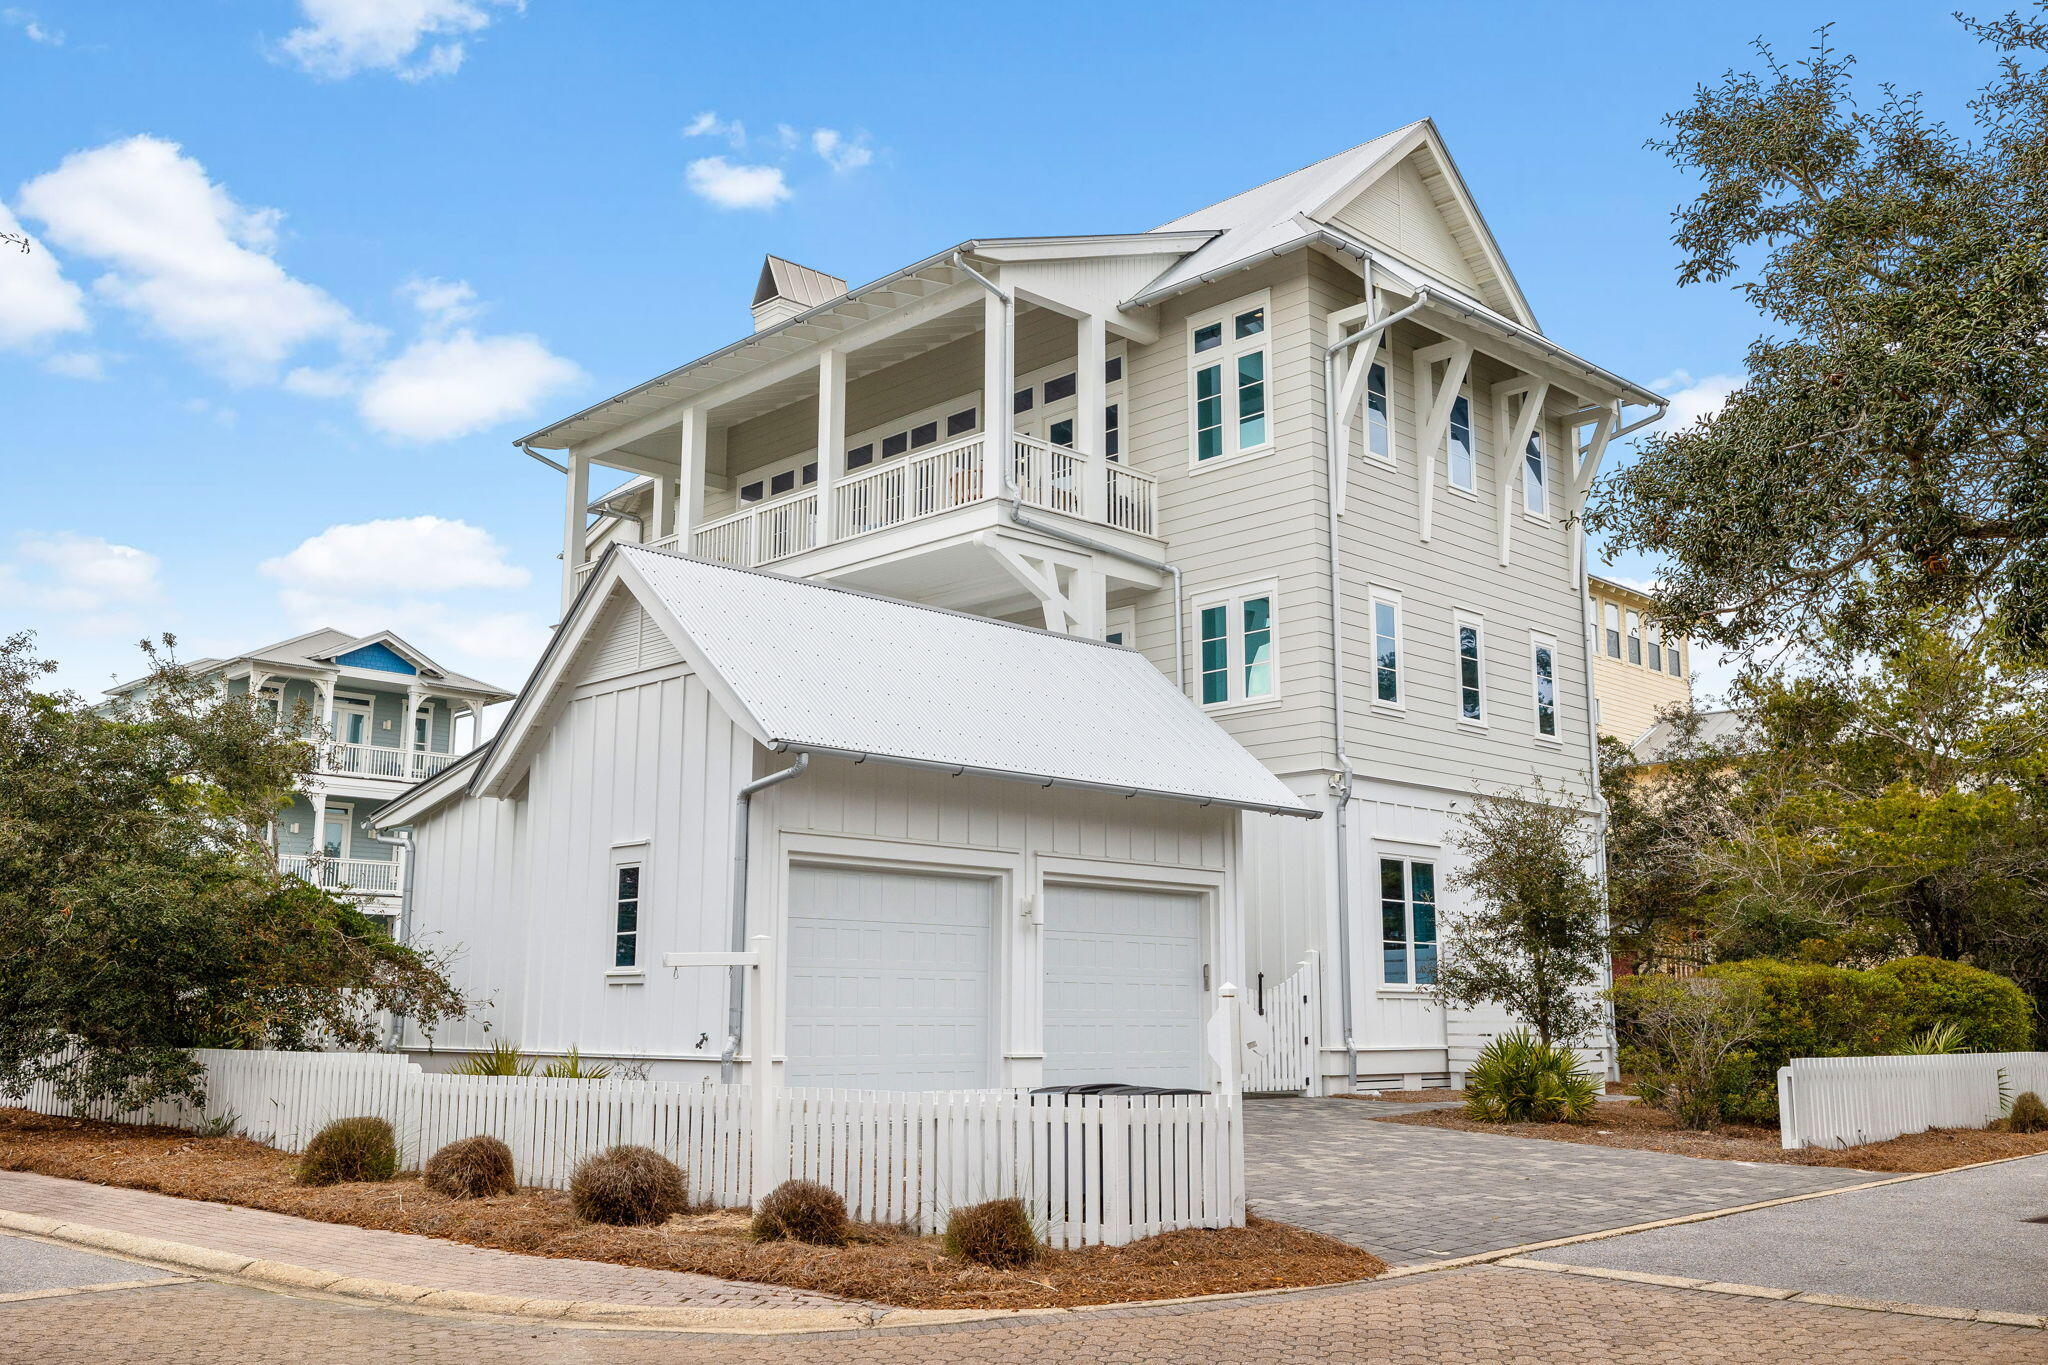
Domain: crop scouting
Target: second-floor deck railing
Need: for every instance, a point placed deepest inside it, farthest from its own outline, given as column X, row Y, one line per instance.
column 373, row 760
column 370, row 876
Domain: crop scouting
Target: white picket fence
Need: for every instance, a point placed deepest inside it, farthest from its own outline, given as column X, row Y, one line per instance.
column 1280, row 1033
column 1093, row 1169
column 1847, row 1101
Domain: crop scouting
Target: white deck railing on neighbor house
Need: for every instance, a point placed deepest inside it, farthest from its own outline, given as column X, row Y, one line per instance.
column 1092, row 1169
column 1840, row 1102
column 370, row 876
column 376, row 760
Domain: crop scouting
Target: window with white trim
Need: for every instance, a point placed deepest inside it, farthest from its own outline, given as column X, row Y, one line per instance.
column 1635, row 638
column 1469, row 635
column 1656, row 648
column 1407, row 922
column 1535, row 492
column 626, row 890
column 1543, row 684
column 1237, row 646
column 1458, row 461
column 1613, row 630
column 1379, row 430
column 351, row 719
column 1227, row 382
column 1386, row 649
column 1677, row 664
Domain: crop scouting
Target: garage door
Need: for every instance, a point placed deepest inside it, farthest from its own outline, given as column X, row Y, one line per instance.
column 1123, row 987
column 888, row 980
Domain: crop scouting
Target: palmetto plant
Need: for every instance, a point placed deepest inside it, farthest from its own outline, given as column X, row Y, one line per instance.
column 1518, row 1079
column 499, row 1059
column 1936, row 1040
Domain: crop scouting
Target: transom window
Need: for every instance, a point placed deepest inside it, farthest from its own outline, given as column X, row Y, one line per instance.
column 1237, row 648
column 1228, row 383
column 1407, row 922
column 1458, row 462
column 1471, row 672
column 1386, row 648
column 1535, row 492
column 626, row 915
column 1543, row 668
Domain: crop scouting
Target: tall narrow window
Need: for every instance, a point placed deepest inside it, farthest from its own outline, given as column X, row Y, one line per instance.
column 1238, row 647
column 1386, row 650
column 1251, row 400
column 1635, row 638
column 1543, row 666
column 626, row 915
column 1407, row 922
column 1535, row 493
column 1215, row 655
column 1258, row 646
column 1656, row 649
column 1112, row 435
column 1228, row 385
column 1379, row 435
column 1677, row 664
column 1471, row 674
column 1209, row 412
column 1613, row 630
column 1458, row 445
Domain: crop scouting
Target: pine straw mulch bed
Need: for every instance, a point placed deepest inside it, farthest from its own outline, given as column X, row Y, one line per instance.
column 881, row 1265
column 1630, row 1125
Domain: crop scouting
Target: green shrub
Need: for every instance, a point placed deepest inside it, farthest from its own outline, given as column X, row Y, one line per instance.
column 1936, row 1040
column 628, row 1187
column 801, row 1211
column 2027, row 1115
column 1517, row 1079
column 1684, row 1043
column 1990, row 1011
column 570, row 1066
column 499, row 1059
column 470, row 1168
column 350, row 1150
column 997, row 1234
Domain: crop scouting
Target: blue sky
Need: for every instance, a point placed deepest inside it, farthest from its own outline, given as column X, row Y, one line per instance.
column 303, row 269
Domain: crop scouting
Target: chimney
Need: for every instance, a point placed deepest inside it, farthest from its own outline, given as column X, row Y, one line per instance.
column 787, row 289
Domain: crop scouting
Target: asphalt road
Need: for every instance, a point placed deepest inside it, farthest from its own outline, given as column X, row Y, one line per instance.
column 31, row 1267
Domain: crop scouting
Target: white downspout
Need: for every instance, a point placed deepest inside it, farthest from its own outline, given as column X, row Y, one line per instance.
column 736, row 981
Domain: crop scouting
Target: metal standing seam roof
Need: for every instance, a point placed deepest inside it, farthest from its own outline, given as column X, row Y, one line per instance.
column 830, row 670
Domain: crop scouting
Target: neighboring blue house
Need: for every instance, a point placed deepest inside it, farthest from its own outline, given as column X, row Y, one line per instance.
column 393, row 717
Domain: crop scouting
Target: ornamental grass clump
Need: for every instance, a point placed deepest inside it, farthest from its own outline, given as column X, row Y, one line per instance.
column 470, row 1168
column 997, row 1234
column 1517, row 1079
column 2027, row 1115
column 628, row 1186
column 349, row 1150
column 801, row 1211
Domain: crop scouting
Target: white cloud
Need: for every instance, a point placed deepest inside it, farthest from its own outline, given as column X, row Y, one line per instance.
column 443, row 303
column 709, row 124
column 413, row 39
column 95, row 586
column 76, row 365
column 185, row 257
column 398, row 554
column 31, row 28
column 36, row 301
column 442, row 387
column 840, row 152
column 731, row 185
column 1692, row 399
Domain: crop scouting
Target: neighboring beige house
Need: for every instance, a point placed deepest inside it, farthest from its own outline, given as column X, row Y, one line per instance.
column 1636, row 671
column 1306, row 450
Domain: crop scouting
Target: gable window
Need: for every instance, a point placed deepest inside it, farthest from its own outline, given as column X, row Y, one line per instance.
column 1237, row 647
column 1535, row 493
column 1227, row 385
column 1471, row 670
column 626, row 915
column 1458, row 463
column 1386, row 648
column 1635, row 638
column 1407, row 922
column 1543, row 684
column 1613, row 630
column 1379, row 432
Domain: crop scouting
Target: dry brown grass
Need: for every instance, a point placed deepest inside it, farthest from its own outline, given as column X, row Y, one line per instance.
column 801, row 1211
column 470, row 1168
column 878, row 1265
column 997, row 1233
column 1629, row 1125
column 628, row 1187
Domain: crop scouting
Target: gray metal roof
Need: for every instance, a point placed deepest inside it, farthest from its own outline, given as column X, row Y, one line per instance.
column 798, row 283
column 828, row 670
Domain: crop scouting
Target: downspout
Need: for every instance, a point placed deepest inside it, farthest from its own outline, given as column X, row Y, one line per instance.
column 1346, row 774
column 736, row 980
column 551, row 464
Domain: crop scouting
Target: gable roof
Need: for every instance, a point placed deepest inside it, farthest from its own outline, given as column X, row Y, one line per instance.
column 315, row 651
column 807, row 667
column 797, row 283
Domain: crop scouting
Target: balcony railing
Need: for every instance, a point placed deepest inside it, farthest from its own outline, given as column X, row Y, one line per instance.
column 372, row 760
column 367, row 876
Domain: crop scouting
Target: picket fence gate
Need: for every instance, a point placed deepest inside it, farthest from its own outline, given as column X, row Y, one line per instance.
column 1092, row 1169
column 1280, row 1034
column 1840, row 1102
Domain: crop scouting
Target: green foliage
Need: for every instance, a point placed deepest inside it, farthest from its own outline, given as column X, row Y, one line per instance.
column 349, row 1150
column 1986, row 1011
column 1936, row 1040
column 142, row 914
column 1531, row 939
column 801, row 1211
column 1518, row 1078
column 499, row 1059
column 1683, row 1040
column 2027, row 1115
column 997, row 1234
column 628, row 1187
column 570, row 1066
column 470, row 1168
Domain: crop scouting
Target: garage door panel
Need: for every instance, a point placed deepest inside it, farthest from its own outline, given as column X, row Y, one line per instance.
column 1123, row 998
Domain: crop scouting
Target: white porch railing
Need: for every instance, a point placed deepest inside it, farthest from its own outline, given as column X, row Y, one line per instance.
column 1848, row 1101
column 375, row 760
column 762, row 534
column 371, row 876
column 904, row 490
column 665, row 543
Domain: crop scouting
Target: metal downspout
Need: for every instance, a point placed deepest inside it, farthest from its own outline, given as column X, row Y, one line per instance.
column 736, row 978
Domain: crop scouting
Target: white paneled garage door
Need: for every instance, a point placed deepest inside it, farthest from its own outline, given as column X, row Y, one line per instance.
column 889, row 979
column 1123, row 987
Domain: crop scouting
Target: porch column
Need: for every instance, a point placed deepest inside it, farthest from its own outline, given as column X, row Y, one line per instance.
column 319, row 844
column 1091, row 353
column 415, row 767
column 476, row 725
column 575, row 517
column 997, row 383
column 662, row 524
column 831, row 439
column 323, row 691
column 691, row 461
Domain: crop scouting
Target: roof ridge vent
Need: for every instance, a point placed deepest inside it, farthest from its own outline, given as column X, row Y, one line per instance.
column 787, row 289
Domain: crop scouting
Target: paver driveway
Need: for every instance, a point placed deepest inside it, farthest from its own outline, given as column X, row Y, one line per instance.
column 1419, row 1194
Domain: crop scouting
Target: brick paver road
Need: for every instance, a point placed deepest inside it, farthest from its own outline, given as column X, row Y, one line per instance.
column 1484, row 1314
column 1414, row 1194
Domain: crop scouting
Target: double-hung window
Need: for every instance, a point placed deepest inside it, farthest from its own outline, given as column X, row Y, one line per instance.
column 1237, row 647
column 1543, row 684
column 1227, row 382
column 1458, row 462
column 1535, row 492
column 1677, row 664
column 1635, row 638
column 1379, row 431
column 1613, row 630
column 1656, row 649
column 626, row 914
column 1470, row 639
column 1407, row 922
column 1386, row 649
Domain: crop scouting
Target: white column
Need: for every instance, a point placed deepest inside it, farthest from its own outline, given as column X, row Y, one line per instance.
column 997, row 381
column 662, row 524
column 414, row 768
column 831, row 438
column 1091, row 353
column 575, row 516
column 476, row 727
column 691, row 468
column 319, row 800
column 1088, row 597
